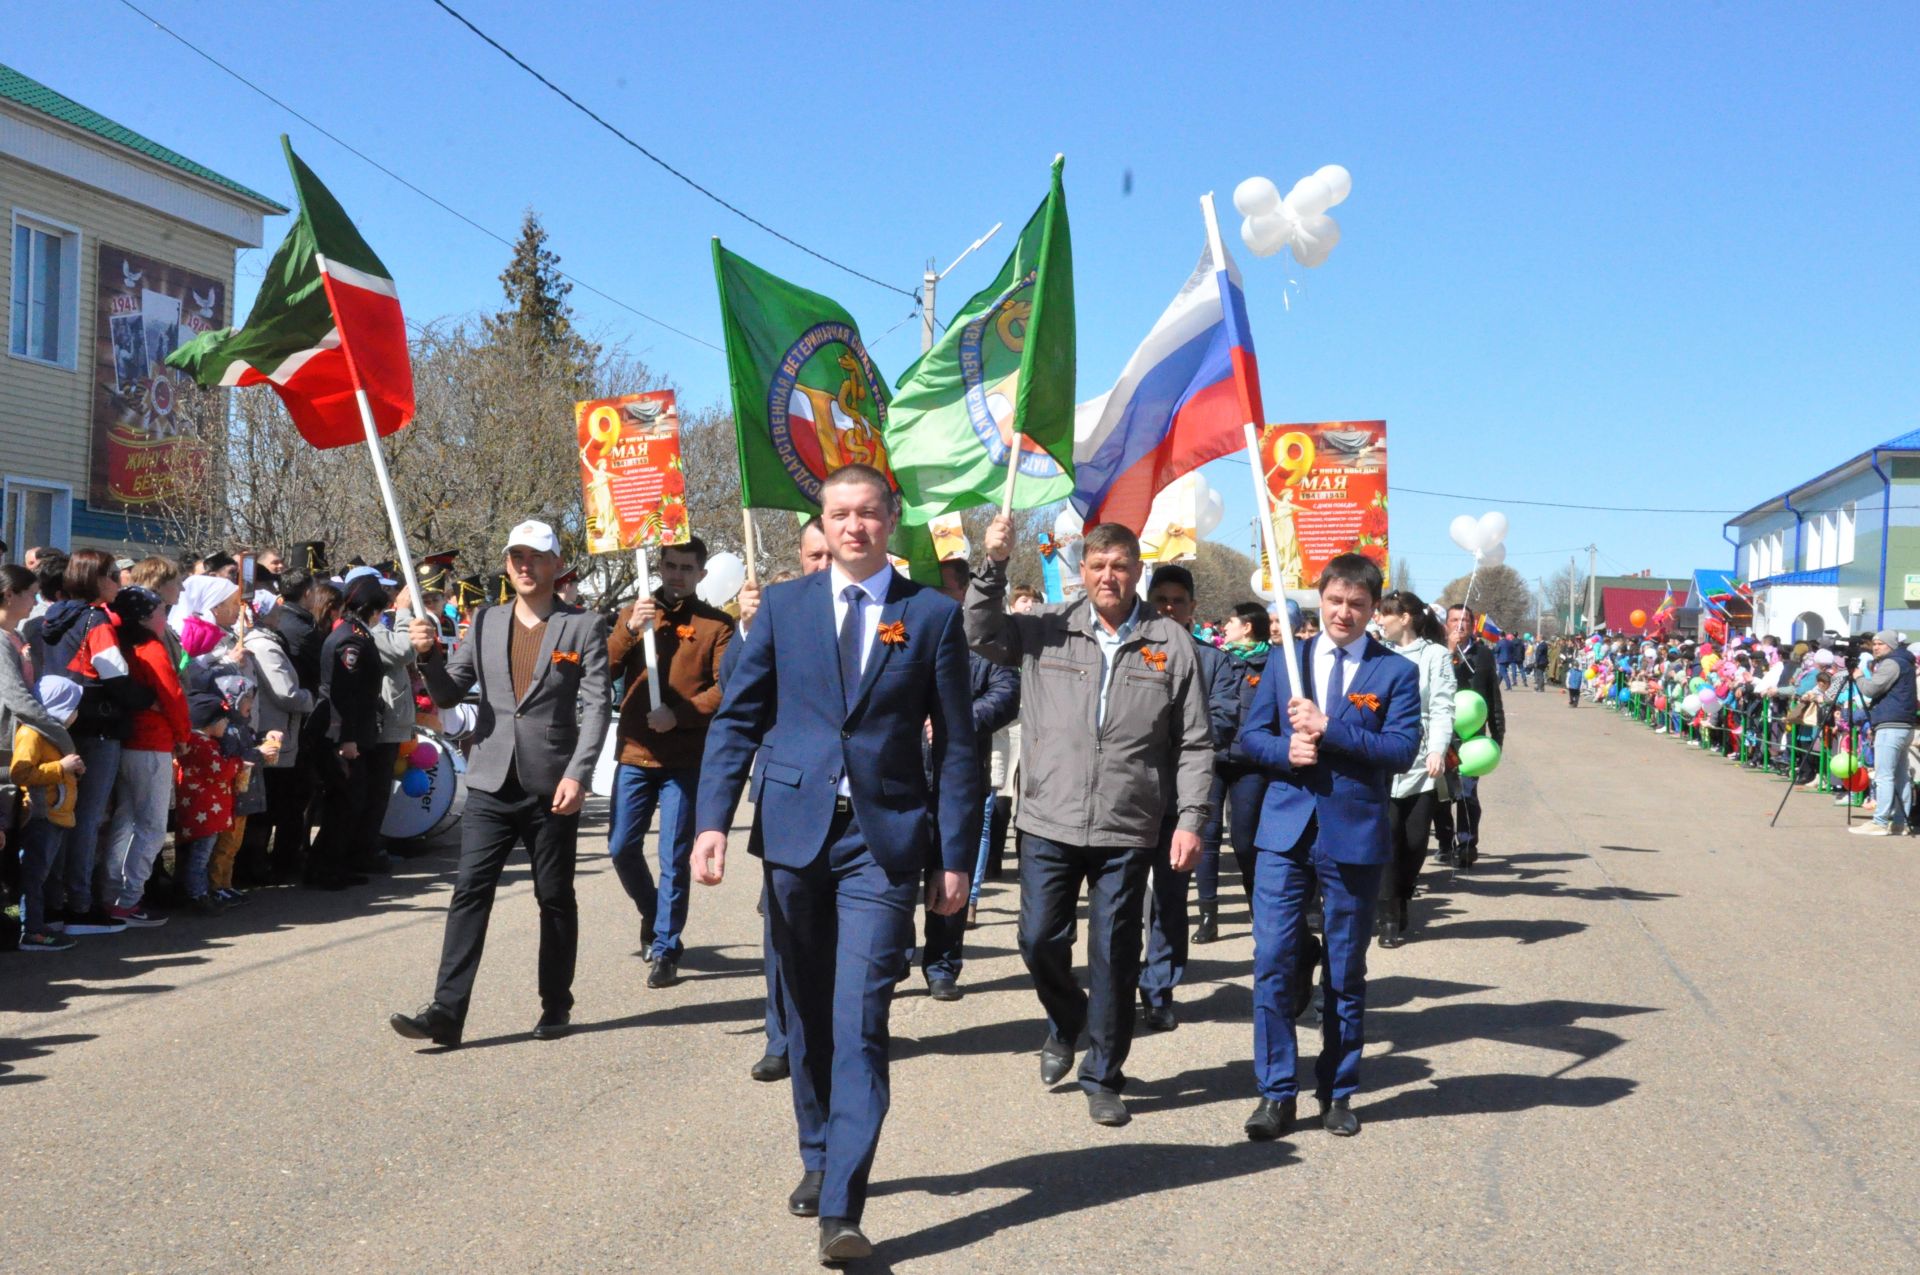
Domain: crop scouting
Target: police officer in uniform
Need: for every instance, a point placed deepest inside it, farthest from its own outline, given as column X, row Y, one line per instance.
column 350, row 683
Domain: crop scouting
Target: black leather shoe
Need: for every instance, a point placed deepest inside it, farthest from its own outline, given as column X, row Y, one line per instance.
column 805, row 1200
column 553, row 1025
column 1159, row 1018
column 665, row 973
column 1270, row 1119
column 646, row 939
column 1107, row 1109
column 431, row 1023
column 842, row 1241
column 1208, row 929
column 944, row 989
column 1056, row 1060
column 973, row 914
column 771, row 1067
column 1338, row 1120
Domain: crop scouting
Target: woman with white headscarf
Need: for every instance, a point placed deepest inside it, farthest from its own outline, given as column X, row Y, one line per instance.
column 208, row 607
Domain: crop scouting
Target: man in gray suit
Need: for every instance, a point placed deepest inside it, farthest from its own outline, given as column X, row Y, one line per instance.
column 541, row 666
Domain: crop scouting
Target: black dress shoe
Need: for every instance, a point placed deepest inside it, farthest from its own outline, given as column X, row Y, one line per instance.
column 842, row 1241
column 1271, row 1119
column 805, row 1200
column 1056, row 1060
column 1159, row 1018
column 1338, row 1120
column 973, row 914
column 944, row 989
column 771, row 1067
column 431, row 1023
column 665, row 973
column 1208, row 929
column 1107, row 1109
column 553, row 1025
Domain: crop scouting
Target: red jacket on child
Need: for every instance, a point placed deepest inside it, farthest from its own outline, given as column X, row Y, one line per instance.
column 203, row 788
column 158, row 729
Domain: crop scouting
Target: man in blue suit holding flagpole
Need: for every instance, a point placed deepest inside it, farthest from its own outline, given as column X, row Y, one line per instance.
column 837, row 686
column 1333, row 748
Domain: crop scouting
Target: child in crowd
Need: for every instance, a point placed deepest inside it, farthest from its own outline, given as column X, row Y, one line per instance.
column 53, row 792
column 253, row 754
column 145, row 787
column 1574, row 674
column 204, row 806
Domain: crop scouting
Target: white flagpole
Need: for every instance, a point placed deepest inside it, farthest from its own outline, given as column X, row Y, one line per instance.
column 746, row 534
column 1013, row 472
column 646, row 634
column 1261, row 497
column 391, row 501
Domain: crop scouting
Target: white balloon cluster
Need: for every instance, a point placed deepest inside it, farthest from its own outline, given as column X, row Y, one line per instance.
column 1299, row 221
column 1484, row 537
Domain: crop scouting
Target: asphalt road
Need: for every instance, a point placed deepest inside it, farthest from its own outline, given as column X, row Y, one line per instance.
column 1649, row 1034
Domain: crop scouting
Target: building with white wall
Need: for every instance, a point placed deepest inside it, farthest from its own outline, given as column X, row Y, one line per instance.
column 1839, row 552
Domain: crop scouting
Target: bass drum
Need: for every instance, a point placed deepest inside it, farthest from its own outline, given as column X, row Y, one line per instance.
column 437, row 809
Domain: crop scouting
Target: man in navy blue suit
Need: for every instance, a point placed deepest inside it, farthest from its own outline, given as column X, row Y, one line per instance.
column 1333, row 750
column 835, row 688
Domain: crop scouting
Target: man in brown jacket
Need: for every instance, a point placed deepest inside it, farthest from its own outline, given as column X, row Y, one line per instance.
column 660, row 747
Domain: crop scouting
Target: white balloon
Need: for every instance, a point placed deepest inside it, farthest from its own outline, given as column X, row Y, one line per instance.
column 1213, row 509
column 725, row 574
column 1307, row 250
column 1310, row 195
column 1257, row 582
column 1465, row 532
column 1493, row 529
column 1265, row 234
column 1256, row 195
column 1493, row 557
column 1324, row 229
column 1068, row 525
column 1338, row 180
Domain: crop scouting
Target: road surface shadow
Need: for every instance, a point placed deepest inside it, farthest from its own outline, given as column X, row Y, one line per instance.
column 685, row 1014
column 1055, row 1183
column 1631, row 849
column 19, row 1050
column 1521, row 932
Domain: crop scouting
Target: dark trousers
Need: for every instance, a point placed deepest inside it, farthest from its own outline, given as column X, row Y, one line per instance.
column 1244, row 795
column 1167, row 934
column 342, row 785
column 1456, row 823
column 376, row 794
column 942, row 954
column 776, row 1016
column 1115, row 877
column 285, row 823
column 492, row 824
column 637, row 792
column 841, row 925
column 1282, row 890
column 1411, row 820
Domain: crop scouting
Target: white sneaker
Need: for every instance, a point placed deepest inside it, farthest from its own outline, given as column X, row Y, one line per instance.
column 1871, row 829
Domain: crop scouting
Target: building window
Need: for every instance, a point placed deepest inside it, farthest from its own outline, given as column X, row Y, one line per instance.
column 37, row 514
column 1843, row 534
column 45, row 312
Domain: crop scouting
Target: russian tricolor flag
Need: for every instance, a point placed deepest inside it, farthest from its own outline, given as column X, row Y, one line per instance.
column 1183, row 399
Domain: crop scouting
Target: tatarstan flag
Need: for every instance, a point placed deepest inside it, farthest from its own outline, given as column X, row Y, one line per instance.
column 325, row 326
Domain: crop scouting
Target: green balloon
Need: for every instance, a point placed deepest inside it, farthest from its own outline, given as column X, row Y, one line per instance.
column 1478, row 757
column 1469, row 713
column 1842, row 765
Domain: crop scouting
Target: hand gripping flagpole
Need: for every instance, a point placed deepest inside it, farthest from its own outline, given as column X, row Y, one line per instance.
column 1261, row 497
column 646, row 635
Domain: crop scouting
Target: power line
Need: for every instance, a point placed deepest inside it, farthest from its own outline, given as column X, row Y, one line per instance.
column 432, row 199
column 1397, row 489
column 588, row 111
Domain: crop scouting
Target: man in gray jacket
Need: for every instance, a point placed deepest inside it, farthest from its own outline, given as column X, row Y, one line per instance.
column 541, row 668
column 1114, row 713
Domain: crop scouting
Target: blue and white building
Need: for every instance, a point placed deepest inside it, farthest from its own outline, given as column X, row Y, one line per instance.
column 1839, row 552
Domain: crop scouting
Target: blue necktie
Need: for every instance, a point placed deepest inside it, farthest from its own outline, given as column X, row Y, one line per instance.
column 1336, row 681
column 850, row 634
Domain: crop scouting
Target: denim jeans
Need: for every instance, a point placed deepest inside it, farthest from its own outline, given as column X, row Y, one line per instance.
column 84, row 839
column 1891, row 780
column 637, row 791
column 139, row 824
column 194, row 857
column 40, row 844
column 986, row 843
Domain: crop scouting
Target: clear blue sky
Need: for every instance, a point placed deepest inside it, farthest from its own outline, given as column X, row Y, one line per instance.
column 1635, row 255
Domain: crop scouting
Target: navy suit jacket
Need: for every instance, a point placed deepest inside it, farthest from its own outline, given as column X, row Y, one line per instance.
column 1350, row 787
column 784, row 699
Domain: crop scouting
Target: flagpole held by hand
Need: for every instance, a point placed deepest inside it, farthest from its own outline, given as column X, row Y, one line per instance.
column 746, row 543
column 1013, row 474
column 646, row 634
column 387, row 497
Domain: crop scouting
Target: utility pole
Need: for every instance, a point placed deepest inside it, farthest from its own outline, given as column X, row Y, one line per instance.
column 1573, row 591
column 930, row 283
column 1593, row 587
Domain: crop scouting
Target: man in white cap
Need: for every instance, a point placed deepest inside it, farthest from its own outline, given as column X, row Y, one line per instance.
column 541, row 669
